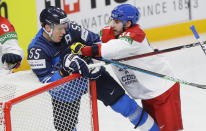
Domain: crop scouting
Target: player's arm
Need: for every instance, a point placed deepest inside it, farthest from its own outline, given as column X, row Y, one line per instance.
column 127, row 44
column 113, row 49
column 82, row 35
column 40, row 32
column 12, row 54
column 74, row 64
column 42, row 65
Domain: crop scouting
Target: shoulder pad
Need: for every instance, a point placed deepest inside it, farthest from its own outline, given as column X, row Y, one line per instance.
column 7, row 30
column 107, row 34
column 134, row 33
column 73, row 25
column 76, row 32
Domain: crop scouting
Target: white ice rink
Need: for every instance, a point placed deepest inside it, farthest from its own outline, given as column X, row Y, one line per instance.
column 188, row 64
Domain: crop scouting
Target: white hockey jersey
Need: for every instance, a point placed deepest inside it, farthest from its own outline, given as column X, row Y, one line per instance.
column 133, row 42
column 8, row 40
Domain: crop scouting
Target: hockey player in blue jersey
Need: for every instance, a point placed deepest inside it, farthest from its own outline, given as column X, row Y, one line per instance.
column 50, row 58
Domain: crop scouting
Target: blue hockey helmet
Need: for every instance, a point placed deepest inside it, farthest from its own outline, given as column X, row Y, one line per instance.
column 126, row 12
column 53, row 15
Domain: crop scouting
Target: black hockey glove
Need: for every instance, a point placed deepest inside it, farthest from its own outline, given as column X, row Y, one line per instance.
column 13, row 60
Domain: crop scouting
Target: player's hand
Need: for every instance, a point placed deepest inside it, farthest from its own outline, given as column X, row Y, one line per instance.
column 96, row 72
column 11, row 60
column 76, row 48
column 74, row 64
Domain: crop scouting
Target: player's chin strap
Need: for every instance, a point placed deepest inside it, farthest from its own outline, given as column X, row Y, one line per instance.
column 50, row 33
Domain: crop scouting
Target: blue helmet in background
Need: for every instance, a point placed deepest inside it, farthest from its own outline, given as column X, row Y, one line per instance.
column 53, row 15
column 126, row 12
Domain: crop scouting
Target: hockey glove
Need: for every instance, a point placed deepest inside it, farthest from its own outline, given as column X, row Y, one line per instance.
column 96, row 72
column 12, row 60
column 76, row 48
column 74, row 64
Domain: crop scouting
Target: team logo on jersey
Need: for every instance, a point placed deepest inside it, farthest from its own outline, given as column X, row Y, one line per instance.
column 128, row 79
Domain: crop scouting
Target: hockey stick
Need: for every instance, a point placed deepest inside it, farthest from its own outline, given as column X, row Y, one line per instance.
column 159, row 52
column 202, row 44
column 149, row 53
column 116, row 63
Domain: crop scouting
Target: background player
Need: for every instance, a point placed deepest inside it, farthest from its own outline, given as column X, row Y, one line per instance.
column 10, row 52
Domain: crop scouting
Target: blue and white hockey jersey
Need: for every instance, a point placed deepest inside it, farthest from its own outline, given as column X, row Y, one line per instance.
column 45, row 57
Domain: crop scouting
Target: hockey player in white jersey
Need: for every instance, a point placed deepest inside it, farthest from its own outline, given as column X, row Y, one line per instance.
column 124, row 38
column 10, row 52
